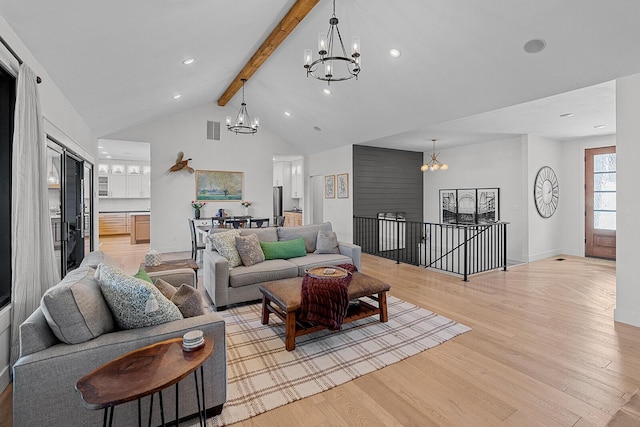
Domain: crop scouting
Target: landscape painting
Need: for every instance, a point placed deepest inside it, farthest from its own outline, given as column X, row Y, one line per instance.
column 218, row 186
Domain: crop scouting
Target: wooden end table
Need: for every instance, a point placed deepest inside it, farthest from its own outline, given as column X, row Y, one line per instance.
column 172, row 265
column 144, row 372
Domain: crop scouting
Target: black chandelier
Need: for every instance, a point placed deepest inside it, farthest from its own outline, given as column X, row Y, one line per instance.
column 328, row 67
column 243, row 123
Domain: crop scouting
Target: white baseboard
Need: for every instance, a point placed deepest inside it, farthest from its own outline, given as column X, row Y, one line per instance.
column 543, row 255
column 630, row 317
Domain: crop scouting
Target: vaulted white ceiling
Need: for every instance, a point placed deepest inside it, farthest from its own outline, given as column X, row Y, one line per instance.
column 120, row 63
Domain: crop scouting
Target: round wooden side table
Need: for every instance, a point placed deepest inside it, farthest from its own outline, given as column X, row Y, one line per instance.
column 144, row 372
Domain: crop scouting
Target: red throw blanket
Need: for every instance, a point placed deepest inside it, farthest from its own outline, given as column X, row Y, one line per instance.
column 325, row 300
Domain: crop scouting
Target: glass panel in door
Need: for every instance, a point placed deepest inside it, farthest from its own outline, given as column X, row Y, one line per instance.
column 73, row 212
column 87, row 191
column 600, row 202
column 54, row 167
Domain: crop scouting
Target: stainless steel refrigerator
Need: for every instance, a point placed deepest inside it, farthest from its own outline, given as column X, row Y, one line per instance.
column 277, row 204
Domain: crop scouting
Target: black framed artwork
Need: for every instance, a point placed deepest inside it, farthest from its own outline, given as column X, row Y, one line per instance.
column 470, row 206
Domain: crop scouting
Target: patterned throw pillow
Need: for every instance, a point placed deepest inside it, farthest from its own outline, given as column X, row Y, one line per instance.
column 188, row 301
column 165, row 288
column 134, row 302
column 225, row 244
column 249, row 249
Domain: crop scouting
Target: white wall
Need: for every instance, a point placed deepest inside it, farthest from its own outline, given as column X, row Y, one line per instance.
column 492, row 164
column 573, row 191
column 337, row 211
column 61, row 121
column 545, row 234
column 171, row 194
column 628, row 204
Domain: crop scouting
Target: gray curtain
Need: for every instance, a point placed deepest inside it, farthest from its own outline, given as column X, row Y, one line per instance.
column 33, row 260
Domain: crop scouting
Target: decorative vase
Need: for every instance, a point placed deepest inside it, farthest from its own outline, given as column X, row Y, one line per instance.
column 246, row 211
column 196, row 213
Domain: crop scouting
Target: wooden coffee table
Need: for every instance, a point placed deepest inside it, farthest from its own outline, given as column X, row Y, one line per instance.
column 144, row 372
column 283, row 298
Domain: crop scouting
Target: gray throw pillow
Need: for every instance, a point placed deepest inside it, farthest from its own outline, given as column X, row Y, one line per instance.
column 134, row 302
column 75, row 309
column 249, row 249
column 308, row 232
column 327, row 243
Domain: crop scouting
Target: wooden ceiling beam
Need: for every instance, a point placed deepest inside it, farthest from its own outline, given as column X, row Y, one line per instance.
column 298, row 11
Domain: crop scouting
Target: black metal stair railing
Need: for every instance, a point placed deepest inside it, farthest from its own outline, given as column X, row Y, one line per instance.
column 463, row 249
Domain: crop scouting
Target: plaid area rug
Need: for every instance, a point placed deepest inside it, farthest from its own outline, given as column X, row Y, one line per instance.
column 262, row 375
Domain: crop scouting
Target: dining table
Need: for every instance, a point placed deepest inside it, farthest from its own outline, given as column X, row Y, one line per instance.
column 234, row 221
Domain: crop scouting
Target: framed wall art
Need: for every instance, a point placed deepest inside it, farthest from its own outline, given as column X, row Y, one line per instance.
column 343, row 186
column 219, row 186
column 329, row 186
column 448, row 209
column 467, row 206
column 470, row 206
column 488, row 205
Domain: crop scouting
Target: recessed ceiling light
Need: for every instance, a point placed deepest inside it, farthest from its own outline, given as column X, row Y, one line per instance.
column 108, row 157
column 394, row 52
column 599, row 126
column 327, row 91
column 176, row 96
column 535, row 46
column 188, row 61
column 287, row 113
column 566, row 115
column 105, row 152
column 100, row 146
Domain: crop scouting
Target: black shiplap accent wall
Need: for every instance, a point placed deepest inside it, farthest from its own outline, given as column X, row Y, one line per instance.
column 386, row 180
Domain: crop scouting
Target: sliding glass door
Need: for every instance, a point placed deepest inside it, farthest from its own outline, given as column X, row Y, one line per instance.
column 70, row 184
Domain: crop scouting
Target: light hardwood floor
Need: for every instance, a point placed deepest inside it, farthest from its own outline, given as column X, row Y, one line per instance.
column 544, row 351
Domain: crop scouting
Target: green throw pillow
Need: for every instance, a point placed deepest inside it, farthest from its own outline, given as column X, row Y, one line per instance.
column 284, row 249
column 142, row 274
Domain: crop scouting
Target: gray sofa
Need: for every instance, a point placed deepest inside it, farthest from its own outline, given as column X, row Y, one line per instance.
column 240, row 284
column 45, row 375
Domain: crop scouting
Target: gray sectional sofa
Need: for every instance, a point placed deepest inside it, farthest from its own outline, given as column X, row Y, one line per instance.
column 240, row 284
column 45, row 375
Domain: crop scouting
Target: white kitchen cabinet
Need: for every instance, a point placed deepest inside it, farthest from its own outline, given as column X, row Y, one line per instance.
column 134, row 186
column 117, row 186
column 297, row 182
column 145, row 193
column 124, row 180
column 278, row 174
column 138, row 187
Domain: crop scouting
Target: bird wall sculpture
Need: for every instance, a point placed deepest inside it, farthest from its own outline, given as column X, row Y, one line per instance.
column 181, row 164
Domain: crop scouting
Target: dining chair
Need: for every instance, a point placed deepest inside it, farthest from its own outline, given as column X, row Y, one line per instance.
column 280, row 221
column 196, row 245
